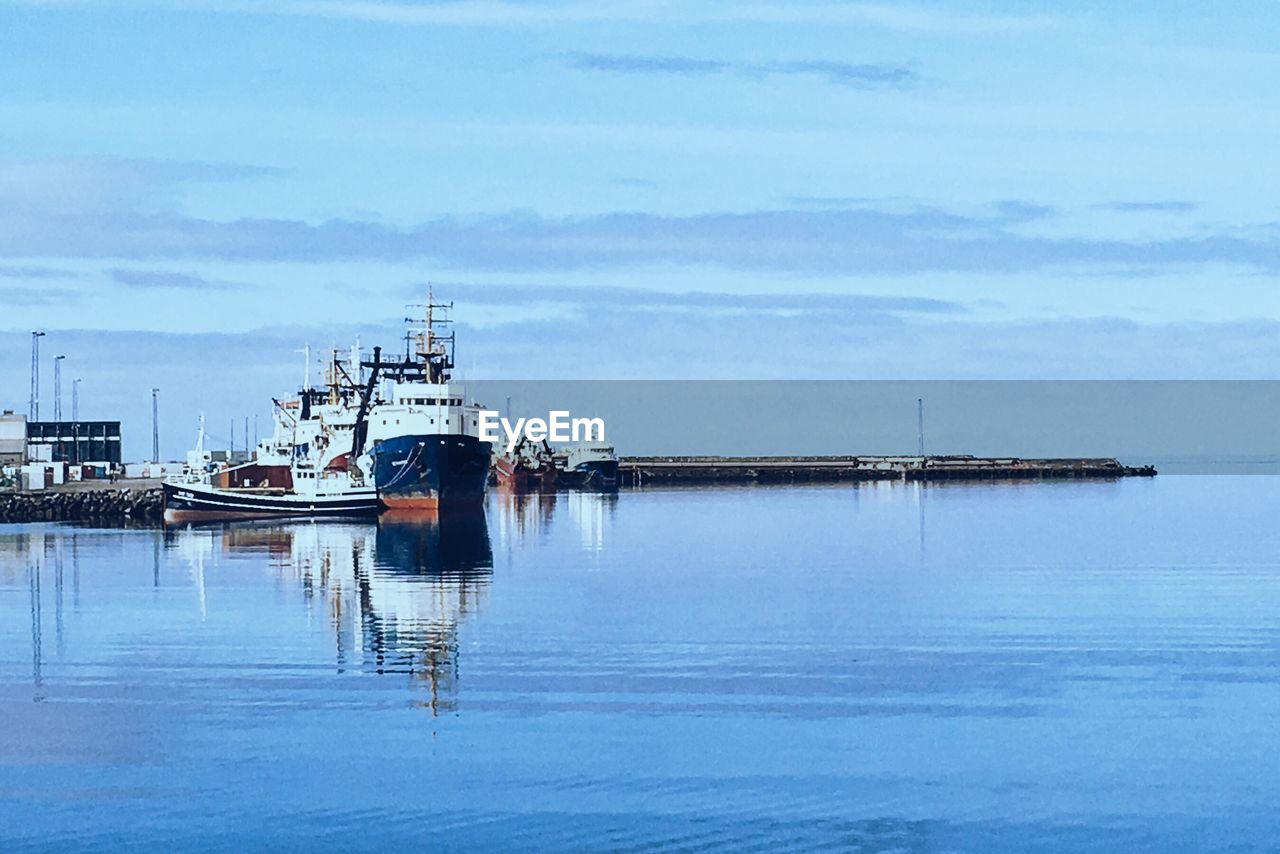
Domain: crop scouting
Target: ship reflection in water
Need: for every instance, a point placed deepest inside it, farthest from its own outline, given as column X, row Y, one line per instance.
column 529, row 517
column 394, row 592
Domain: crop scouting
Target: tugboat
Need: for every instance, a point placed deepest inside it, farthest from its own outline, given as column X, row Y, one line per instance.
column 529, row 467
column 423, row 437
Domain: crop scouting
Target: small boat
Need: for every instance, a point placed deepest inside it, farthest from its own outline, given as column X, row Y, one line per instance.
column 588, row 466
column 303, row 469
column 329, row 495
column 529, row 467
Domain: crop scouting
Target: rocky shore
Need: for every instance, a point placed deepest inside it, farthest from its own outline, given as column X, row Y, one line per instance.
column 108, row 505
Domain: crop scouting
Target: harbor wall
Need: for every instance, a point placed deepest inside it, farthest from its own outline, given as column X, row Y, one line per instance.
column 641, row 471
column 88, row 505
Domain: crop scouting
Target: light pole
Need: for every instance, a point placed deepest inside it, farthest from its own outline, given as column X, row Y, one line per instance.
column 920, row 425
column 155, row 426
column 34, row 413
column 57, row 387
column 75, row 420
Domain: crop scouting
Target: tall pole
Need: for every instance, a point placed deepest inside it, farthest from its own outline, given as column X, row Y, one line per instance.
column 57, row 387
column 920, row 423
column 34, row 412
column 75, row 420
column 155, row 425
column 306, row 361
column 246, row 437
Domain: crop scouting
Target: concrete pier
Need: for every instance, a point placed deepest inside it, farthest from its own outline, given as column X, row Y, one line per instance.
column 642, row 471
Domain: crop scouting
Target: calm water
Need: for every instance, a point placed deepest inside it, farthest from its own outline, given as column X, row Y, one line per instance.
column 1050, row 666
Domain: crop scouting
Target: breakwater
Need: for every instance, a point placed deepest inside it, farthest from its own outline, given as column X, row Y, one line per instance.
column 641, row 471
column 107, row 505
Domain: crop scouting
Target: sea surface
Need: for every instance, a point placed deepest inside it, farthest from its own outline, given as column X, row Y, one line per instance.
column 881, row 667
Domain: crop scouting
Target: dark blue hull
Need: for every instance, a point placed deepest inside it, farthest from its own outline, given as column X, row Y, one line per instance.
column 599, row 474
column 427, row 472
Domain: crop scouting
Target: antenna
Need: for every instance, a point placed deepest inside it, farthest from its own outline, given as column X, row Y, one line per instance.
column 306, row 370
column 435, row 352
column 35, row 375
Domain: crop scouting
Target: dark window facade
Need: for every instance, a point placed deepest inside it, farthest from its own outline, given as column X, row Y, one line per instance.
column 73, row 441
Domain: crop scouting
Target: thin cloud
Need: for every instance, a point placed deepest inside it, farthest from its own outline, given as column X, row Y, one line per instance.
column 611, row 297
column 29, row 296
column 862, row 241
column 859, row 75
column 38, row 273
column 76, row 184
column 645, row 64
column 505, row 14
column 856, row 75
column 166, row 279
column 1149, row 207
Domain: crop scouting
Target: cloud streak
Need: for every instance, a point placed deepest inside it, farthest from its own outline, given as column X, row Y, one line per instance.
column 609, row 297
column 863, row 241
column 855, row 75
column 506, row 14
column 1149, row 207
column 146, row 279
column 37, row 272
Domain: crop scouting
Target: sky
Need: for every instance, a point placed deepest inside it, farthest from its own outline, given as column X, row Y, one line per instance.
column 192, row 191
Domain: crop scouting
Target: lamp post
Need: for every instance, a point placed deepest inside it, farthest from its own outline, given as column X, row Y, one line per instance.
column 75, row 421
column 35, row 375
column 155, row 426
column 57, row 387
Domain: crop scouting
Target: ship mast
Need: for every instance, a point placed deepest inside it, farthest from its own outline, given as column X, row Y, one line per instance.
column 434, row 351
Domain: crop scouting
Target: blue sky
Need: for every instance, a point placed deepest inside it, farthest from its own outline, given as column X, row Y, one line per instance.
column 190, row 191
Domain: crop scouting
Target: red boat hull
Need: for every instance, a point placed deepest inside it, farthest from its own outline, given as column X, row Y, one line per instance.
column 514, row 477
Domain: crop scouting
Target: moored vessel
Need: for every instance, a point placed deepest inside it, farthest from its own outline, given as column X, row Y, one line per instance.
column 528, row 467
column 588, row 466
column 309, row 465
column 423, row 436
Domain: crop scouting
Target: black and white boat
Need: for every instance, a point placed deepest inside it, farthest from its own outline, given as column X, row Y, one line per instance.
column 197, row 501
column 309, row 466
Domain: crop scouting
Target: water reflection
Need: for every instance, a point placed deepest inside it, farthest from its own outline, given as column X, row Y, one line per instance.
column 393, row 593
column 592, row 515
column 389, row 596
column 524, row 517
column 529, row 518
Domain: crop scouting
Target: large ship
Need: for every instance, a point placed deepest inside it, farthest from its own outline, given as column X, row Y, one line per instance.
column 422, row 437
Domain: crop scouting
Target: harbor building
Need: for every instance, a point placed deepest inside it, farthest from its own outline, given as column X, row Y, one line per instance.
column 13, row 439
column 95, row 443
